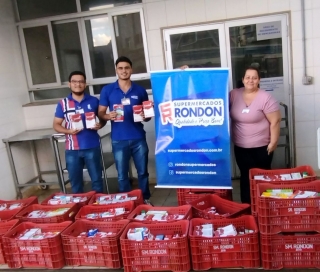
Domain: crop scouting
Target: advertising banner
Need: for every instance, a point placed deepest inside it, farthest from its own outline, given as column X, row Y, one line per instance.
column 192, row 128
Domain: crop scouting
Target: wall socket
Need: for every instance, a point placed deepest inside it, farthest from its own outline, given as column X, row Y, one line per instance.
column 307, row 80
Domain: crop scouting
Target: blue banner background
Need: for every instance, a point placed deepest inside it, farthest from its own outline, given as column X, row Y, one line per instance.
column 176, row 166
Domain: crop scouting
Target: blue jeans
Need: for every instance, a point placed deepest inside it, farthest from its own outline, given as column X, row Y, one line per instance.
column 75, row 161
column 138, row 150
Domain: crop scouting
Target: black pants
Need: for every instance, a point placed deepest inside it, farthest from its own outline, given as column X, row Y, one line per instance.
column 246, row 159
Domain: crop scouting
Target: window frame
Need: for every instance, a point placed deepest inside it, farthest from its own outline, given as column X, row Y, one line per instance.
column 26, row 57
column 80, row 18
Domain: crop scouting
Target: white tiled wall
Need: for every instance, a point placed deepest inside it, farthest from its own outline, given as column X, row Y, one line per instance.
column 159, row 14
column 13, row 94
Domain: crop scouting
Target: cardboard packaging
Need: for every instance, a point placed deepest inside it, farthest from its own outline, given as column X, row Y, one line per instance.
column 118, row 108
column 137, row 109
column 148, row 109
column 76, row 121
column 90, row 119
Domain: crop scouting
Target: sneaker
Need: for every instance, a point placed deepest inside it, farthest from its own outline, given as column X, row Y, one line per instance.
column 147, row 202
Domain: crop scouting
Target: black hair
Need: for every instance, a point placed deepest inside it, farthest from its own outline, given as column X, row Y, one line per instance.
column 123, row 59
column 252, row 68
column 75, row 73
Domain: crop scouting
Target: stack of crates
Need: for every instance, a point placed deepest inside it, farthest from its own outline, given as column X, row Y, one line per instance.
column 289, row 228
column 40, row 253
column 157, row 255
column 225, row 252
column 98, row 251
column 254, row 172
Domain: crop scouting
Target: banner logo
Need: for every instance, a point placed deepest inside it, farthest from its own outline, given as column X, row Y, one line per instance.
column 197, row 112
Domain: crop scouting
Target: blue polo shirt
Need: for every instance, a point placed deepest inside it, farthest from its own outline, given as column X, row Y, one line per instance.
column 128, row 129
column 87, row 138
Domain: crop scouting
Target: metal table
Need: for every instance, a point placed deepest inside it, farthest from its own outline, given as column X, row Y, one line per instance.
column 29, row 136
column 106, row 159
column 41, row 134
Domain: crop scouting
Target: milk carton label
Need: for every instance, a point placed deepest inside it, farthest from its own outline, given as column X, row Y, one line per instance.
column 137, row 110
column 118, row 108
column 76, row 121
column 90, row 119
column 148, row 109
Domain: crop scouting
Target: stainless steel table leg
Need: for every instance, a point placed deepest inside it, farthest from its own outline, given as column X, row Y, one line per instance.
column 104, row 170
column 35, row 156
column 54, row 143
column 13, row 170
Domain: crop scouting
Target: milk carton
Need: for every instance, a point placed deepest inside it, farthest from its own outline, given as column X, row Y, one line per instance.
column 90, row 119
column 118, row 108
column 137, row 110
column 148, row 109
column 76, row 121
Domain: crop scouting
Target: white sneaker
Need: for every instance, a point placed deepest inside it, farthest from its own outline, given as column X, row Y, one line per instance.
column 147, row 202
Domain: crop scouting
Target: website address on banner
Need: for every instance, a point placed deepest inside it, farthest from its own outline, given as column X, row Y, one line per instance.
column 195, row 173
column 194, row 150
column 195, row 164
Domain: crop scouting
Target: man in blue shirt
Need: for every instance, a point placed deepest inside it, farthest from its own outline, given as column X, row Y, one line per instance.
column 128, row 137
column 82, row 144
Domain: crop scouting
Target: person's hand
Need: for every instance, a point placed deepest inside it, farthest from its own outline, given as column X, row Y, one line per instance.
column 183, row 67
column 112, row 115
column 271, row 147
column 74, row 131
column 97, row 126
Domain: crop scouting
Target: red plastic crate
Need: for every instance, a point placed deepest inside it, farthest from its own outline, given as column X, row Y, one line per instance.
column 43, row 253
column 128, row 206
column 4, row 227
column 88, row 195
column 185, row 196
column 288, row 215
column 7, row 215
column 68, row 216
column 133, row 193
column 233, row 251
column 290, row 251
column 222, row 206
column 93, row 251
column 256, row 171
column 184, row 210
column 154, row 255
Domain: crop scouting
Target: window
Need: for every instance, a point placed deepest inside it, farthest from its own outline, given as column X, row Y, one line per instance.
column 54, row 48
column 68, row 47
column 127, row 29
column 32, row 9
column 100, row 47
column 53, row 93
column 39, row 51
column 100, row 4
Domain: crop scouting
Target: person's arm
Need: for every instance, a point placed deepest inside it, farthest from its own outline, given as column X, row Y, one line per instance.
column 274, row 119
column 57, row 126
column 103, row 115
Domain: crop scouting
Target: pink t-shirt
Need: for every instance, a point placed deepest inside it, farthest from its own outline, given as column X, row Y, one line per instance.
column 249, row 125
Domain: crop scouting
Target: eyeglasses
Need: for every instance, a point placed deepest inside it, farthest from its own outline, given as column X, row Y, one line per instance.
column 80, row 82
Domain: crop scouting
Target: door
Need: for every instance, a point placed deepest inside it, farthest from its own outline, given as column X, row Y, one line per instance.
column 196, row 46
column 261, row 42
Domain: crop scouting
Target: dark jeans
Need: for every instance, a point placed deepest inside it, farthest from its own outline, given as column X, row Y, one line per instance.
column 138, row 150
column 76, row 159
column 246, row 159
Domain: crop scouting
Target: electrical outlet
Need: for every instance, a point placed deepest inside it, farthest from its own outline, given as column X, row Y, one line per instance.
column 307, row 80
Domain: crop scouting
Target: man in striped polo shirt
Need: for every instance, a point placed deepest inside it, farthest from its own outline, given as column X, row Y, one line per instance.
column 82, row 143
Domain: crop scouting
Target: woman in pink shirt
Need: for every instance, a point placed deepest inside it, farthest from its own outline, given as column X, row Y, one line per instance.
column 255, row 126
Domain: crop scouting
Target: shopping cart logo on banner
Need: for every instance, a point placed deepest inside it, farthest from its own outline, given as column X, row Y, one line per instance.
column 198, row 112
